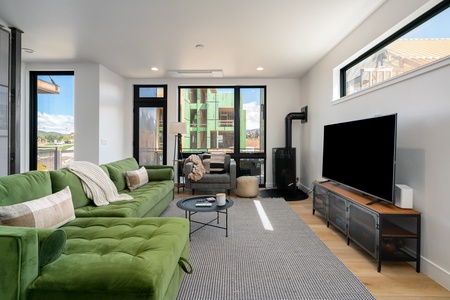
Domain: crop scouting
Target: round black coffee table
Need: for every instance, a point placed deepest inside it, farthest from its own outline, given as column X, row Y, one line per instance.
column 189, row 205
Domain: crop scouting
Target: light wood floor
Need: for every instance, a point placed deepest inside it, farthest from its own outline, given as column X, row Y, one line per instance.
column 396, row 281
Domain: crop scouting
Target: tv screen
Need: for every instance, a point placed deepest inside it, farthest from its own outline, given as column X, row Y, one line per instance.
column 361, row 155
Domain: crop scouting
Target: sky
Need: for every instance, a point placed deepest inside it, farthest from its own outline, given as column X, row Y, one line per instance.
column 252, row 103
column 437, row 27
column 55, row 112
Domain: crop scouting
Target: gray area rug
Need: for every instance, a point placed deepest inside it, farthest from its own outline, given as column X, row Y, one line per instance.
column 288, row 262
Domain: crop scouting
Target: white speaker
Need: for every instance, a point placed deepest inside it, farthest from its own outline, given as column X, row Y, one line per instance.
column 403, row 196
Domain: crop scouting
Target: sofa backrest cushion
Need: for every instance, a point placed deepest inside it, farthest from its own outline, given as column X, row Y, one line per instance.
column 62, row 178
column 23, row 187
column 118, row 170
column 160, row 174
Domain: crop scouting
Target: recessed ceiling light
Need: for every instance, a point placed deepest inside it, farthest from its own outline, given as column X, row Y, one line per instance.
column 28, row 50
column 155, row 69
column 259, row 68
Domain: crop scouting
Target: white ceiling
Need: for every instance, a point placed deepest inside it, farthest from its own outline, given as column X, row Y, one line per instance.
column 286, row 37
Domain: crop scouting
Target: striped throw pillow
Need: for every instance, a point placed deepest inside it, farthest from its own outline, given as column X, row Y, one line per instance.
column 206, row 161
column 214, row 162
column 136, row 179
column 217, row 163
column 51, row 211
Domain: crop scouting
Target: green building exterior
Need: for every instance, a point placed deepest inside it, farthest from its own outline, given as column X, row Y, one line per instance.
column 210, row 114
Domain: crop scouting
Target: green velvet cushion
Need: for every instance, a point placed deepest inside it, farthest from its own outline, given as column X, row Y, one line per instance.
column 62, row 178
column 105, row 169
column 18, row 260
column 27, row 186
column 51, row 245
column 114, row 258
column 160, row 174
column 117, row 171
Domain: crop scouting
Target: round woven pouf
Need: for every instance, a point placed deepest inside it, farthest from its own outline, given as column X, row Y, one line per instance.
column 247, row 186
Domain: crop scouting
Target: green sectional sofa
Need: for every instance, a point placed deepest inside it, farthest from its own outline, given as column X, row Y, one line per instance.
column 118, row 251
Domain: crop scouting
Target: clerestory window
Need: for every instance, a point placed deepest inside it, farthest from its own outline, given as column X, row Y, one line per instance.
column 423, row 41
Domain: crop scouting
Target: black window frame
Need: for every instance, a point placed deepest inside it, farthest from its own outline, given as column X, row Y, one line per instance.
column 139, row 102
column 34, row 111
column 399, row 33
column 237, row 155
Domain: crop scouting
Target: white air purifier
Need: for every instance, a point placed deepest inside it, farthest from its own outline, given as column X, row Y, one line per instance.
column 403, row 196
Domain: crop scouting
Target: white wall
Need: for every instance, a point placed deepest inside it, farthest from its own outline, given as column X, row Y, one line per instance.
column 421, row 102
column 99, row 100
column 87, row 112
column 282, row 98
column 112, row 99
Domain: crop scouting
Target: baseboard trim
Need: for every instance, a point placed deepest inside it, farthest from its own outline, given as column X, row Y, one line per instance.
column 435, row 272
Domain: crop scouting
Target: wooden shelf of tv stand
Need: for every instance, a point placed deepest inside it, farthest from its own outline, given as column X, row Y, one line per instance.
column 387, row 214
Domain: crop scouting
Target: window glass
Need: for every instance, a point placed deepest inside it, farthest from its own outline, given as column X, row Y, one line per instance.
column 151, row 141
column 54, row 131
column 210, row 115
column 4, row 113
column 416, row 47
column 151, row 92
column 252, row 121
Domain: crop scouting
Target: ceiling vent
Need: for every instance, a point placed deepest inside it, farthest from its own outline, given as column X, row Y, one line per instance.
column 196, row 73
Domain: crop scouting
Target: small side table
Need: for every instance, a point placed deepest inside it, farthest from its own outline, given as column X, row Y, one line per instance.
column 188, row 205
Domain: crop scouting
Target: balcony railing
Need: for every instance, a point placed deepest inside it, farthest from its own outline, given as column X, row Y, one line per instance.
column 54, row 157
column 226, row 123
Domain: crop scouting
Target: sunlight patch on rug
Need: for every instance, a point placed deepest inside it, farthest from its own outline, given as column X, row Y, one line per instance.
column 263, row 216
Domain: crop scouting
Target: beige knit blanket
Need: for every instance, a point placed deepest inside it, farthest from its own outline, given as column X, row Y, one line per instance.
column 198, row 170
column 96, row 184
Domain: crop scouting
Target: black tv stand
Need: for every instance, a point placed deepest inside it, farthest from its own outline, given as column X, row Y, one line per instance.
column 386, row 232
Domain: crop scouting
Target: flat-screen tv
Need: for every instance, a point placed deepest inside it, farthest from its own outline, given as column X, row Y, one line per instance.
column 361, row 154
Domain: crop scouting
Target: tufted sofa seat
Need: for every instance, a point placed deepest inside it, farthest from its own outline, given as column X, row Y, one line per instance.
column 139, row 206
column 116, row 258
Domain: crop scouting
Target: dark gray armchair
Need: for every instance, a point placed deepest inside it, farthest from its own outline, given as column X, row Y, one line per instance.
column 221, row 181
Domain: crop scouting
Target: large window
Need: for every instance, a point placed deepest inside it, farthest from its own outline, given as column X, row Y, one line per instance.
column 51, row 119
column 227, row 119
column 423, row 41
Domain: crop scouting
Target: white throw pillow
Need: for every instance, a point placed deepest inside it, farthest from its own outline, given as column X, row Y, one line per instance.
column 136, row 179
column 51, row 211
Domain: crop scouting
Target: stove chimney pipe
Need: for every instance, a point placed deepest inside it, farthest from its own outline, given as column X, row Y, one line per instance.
column 303, row 115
